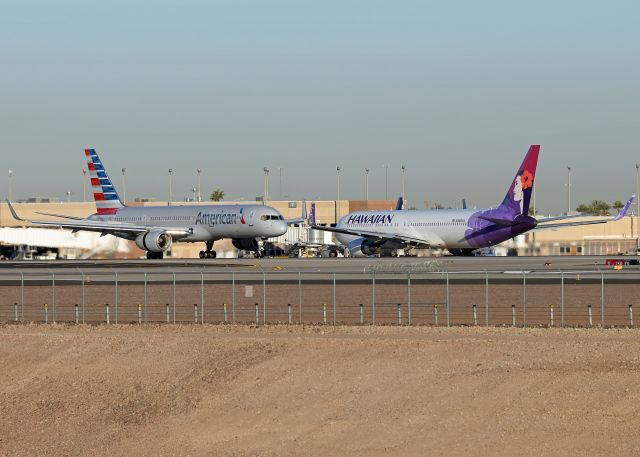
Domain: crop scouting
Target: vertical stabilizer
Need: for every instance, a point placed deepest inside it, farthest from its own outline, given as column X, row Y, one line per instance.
column 104, row 193
column 516, row 202
column 312, row 214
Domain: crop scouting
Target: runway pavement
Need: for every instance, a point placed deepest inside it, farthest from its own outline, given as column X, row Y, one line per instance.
column 340, row 265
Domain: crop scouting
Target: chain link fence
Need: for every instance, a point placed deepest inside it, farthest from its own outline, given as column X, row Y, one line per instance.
column 516, row 298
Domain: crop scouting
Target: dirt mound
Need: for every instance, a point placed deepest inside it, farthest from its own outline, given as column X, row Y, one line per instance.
column 236, row 391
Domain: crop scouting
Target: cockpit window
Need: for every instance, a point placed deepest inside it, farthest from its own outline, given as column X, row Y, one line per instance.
column 271, row 217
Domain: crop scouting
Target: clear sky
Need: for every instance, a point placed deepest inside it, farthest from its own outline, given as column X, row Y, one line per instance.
column 456, row 91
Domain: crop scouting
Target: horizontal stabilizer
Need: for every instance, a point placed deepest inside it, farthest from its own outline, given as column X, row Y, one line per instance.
column 495, row 220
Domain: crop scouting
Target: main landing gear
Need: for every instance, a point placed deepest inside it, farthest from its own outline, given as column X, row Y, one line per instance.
column 155, row 255
column 209, row 253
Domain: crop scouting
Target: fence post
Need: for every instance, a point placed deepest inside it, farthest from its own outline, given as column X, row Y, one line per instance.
column 202, row 296
column 145, row 297
column 46, row 313
column 174, row 300
column 15, row 312
column 551, row 313
column 116, row 281
column 448, row 319
column 21, row 296
column 602, row 300
column 373, row 301
column 513, row 315
column 590, row 315
column 324, row 313
column 399, row 315
column 195, row 313
column 435, row 314
column 82, row 273
column 289, row 312
column 300, row 297
column 107, row 307
column 168, row 314
column 224, row 307
column 486, row 298
column 139, row 313
column 524, row 298
column 361, row 314
column 53, row 297
column 409, row 298
column 257, row 315
column 77, row 320
column 233, row 297
column 630, row 315
column 334, row 298
column 562, row 299
column 264, row 298
column 475, row 315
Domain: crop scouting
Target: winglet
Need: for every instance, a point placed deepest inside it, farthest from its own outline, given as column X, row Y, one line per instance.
column 399, row 204
column 13, row 212
column 624, row 211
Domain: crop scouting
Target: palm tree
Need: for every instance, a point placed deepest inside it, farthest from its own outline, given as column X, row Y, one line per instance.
column 217, row 195
column 617, row 205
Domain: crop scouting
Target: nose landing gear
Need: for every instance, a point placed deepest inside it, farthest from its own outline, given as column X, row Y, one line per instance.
column 209, row 253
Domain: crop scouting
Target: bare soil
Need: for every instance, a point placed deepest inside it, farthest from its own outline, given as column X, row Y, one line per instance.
column 209, row 390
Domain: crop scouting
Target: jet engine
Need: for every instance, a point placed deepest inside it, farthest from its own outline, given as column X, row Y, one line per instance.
column 154, row 241
column 361, row 247
column 245, row 244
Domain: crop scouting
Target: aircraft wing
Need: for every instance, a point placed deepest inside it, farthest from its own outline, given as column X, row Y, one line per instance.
column 303, row 217
column 101, row 226
column 542, row 225
column 375, row 235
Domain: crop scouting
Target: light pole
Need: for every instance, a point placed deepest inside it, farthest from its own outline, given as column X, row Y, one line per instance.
column 170, row 190
column 194, row 190
column 280, row 189
column 366, row 183
column 199, row 186
column 568, row 190
column 84, row 185
column 68, row 196
column 124, row 186
column 10, row 185
column 403, row 194
column 266, row 184
column 338, row 197
column 386, row 182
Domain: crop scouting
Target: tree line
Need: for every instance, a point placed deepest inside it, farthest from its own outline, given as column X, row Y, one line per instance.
column 599, row 207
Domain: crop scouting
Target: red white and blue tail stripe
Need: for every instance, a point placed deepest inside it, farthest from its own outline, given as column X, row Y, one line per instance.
column 105, row 195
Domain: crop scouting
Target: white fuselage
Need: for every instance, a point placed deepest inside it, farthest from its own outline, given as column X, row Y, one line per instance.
column 206, row 222
column 440, row 228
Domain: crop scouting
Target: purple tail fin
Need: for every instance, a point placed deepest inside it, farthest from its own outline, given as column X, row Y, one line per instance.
column 516, row 202
column 312, row 214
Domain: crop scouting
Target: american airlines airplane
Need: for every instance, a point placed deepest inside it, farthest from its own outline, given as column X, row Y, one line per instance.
column 154, row 228
column 461, row 231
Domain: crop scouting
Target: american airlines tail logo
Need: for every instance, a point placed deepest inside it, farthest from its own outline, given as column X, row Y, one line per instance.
column 242, row 221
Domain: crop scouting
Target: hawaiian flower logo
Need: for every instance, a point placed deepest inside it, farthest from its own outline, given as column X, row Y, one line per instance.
column 527, row 179
column 242, row 221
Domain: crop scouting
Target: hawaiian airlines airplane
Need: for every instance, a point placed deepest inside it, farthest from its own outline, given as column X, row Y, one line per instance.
column 461, row 231
column 154, row 228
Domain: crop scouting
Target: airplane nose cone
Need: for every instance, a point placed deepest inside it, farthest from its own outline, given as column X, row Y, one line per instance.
column 281, row 228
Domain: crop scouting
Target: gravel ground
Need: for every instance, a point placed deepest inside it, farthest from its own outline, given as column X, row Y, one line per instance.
column 313, row 390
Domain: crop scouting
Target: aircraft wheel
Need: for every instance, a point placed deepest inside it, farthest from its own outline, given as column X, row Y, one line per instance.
column 202, row 254
column 213, row 254
column 333, row 254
